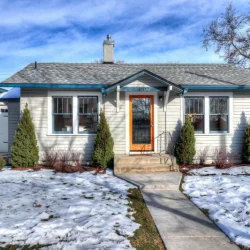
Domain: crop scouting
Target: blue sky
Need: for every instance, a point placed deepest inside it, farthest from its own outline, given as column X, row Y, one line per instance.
column 73, row 31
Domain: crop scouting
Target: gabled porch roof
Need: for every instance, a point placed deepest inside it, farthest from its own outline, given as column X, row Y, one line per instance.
column 144, row 72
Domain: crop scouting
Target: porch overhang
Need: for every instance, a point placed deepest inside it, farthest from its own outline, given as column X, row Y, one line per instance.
column 131, row 78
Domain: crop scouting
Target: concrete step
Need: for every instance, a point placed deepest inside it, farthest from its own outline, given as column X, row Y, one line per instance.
column 143, row 160
column 146, row 168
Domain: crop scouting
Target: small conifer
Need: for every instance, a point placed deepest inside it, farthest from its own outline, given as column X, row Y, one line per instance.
column 185, row 148
column 103, row 154
column 25, row 152
column 246, row 146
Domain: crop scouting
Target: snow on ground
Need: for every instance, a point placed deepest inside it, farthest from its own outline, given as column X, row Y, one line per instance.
column 68, row 211
column 227, row 197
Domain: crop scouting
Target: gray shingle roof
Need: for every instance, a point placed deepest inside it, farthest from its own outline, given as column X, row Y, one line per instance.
column 93, row 73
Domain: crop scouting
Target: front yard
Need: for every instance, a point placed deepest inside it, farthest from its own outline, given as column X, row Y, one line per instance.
column 65, row 211
column 225, row 196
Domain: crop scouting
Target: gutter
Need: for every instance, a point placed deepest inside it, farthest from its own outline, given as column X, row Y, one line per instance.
column 53, row 86
column 216, row 87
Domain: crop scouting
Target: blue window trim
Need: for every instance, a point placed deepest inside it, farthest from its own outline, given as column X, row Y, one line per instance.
column 79, row 114
column 222, row 131
column 53, row 130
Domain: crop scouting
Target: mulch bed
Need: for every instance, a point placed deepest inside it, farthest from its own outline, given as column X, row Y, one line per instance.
column 66, row 169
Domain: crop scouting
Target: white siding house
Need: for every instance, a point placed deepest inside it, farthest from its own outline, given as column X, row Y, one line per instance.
column 145, row 104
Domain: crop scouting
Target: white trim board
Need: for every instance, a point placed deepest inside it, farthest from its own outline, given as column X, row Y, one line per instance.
column 74, row 95
column 127, row 137
column 206, row 96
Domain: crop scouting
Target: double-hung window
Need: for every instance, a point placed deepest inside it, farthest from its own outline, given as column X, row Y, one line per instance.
column 87, row 114
column 218, row 117
column 194, row 109
column 62, row 115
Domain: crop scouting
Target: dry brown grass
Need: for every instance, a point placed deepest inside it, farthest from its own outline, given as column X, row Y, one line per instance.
column 147, row 236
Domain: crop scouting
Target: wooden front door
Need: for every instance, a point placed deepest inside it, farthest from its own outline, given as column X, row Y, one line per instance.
column 141, row 122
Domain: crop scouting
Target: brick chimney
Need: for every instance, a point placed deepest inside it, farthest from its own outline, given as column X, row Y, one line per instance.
column 108, row 50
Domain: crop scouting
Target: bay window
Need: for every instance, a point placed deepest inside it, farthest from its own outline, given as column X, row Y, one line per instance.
column 194, row 109
column 62, row 114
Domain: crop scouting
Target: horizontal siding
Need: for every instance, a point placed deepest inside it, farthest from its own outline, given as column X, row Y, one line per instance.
column 116, row 121
column 145, row 81
column 232, row 142
column 38, row 105
column 14, row 119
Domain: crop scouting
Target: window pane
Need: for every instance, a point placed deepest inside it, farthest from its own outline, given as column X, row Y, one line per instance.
column 63, row 123
column 223, row 106
column 194, row 105
column 200, row 106
column 60, row 107
column 65, row 105
column 80, row 105
column 70, row 105
column 198, row 122
column 88, row 123
column 88, row 105
column 212, row 105
column 218, row 123
column 191, row 106
column 187, row 105
column 55, row 105
column 85, row 109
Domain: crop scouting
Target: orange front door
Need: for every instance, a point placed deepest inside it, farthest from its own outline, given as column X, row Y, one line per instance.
column 141, row 127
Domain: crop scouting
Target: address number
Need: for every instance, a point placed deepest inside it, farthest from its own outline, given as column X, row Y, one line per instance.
column 143, row 89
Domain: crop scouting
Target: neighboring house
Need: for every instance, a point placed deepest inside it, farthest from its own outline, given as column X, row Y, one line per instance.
column 3, row 124
column 142, row 103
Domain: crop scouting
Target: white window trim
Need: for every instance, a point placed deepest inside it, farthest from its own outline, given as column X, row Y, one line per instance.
column 74, row 95
column 206, row 96
column 127, row 135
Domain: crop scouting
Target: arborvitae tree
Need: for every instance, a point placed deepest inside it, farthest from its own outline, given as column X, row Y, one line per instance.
column 103, row 154
column 185, row 148
column 25, row 149
column 246, row 146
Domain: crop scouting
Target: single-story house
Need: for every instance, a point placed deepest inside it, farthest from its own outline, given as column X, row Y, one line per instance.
column 144, row 103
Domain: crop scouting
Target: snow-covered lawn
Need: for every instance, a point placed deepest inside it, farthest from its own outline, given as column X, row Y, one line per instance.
column 227, row 197
column 65, row 211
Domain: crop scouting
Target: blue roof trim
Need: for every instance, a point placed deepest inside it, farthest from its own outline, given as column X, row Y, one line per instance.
column 142, row 73
column 10, row 100
column 216, row 87
column 54, row 86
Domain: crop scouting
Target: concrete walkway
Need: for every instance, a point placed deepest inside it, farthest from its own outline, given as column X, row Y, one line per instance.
column 180, row 223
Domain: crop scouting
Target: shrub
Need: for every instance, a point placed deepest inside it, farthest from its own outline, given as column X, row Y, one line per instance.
column 223, row 159
column 185, row 147
column 2, row 162
column 25, row 149
column 103, row 154
column 50, row 159
column 203, row 154
column 246, row 146
column 76, row 159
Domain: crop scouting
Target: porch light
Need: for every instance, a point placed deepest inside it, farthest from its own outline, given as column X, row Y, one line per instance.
column 160, row 98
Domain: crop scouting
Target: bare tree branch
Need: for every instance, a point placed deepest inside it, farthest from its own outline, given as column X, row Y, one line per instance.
column 230, row 34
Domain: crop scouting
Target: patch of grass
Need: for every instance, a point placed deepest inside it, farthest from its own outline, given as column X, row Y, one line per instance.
column 147, row 236
column 25, row 247
column 205, row 211
column 180, row 187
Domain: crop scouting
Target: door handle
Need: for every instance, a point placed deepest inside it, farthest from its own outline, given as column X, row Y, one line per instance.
column 152, row 125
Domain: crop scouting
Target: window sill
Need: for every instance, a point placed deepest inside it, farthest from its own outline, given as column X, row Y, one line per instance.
column 70, row 134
